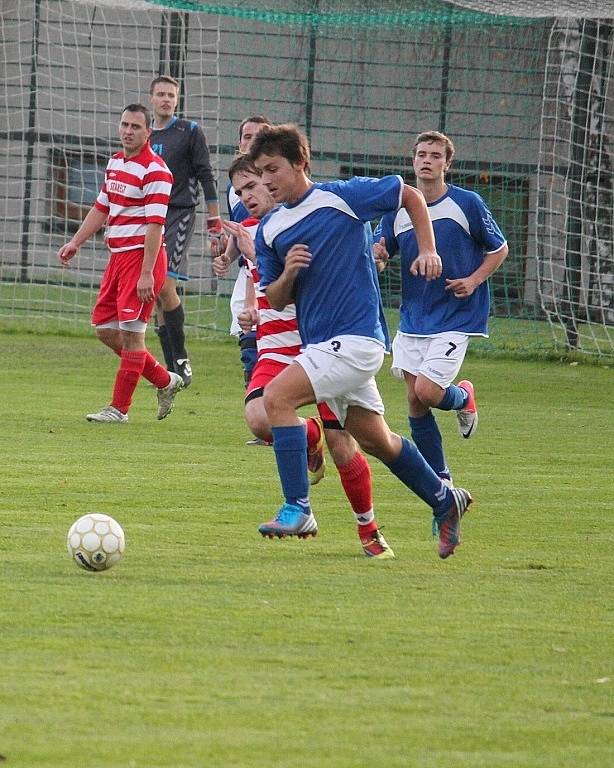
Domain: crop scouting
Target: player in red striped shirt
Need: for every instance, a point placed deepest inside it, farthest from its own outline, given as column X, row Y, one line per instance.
column 278, row 343
column 132, row 203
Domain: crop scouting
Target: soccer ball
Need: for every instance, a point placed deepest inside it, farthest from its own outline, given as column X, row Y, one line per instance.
column 96, row 542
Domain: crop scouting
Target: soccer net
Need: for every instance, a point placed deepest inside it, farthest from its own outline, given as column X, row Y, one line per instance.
column 575, row 194
column 523, row 89
column 69, row 69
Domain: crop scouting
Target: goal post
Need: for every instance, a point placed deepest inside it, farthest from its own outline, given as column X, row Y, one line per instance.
column 525, row 90
column 575, row 212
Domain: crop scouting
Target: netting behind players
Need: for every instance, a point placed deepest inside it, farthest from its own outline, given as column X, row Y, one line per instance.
column 69, row 68
column 362, row 78
column 575, row 195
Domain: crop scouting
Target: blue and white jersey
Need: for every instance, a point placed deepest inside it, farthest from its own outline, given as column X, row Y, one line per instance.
column 338, row 293
column 236, row 210
column 464, row 232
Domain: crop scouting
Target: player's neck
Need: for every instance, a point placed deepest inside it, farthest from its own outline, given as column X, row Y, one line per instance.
column 432, row 189
column 300, row 189
column 160, row 123
column 129, row 154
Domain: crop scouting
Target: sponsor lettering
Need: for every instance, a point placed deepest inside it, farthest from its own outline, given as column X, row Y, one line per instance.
column 116, row 186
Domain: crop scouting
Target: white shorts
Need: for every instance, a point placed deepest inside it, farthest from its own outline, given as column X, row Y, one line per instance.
column 438, row 358
column 135, row 326
column 342, row 373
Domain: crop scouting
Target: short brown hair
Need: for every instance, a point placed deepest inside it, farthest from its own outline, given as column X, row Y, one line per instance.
column 286, row 140
column 258, row 119
column 163, row 79
column 243, row 164
column 439, row 138
column 139, row 108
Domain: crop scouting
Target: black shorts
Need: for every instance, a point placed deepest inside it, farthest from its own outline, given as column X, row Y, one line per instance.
column 178, row 231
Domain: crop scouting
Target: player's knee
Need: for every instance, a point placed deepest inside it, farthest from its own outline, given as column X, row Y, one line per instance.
column 110, row 337
column 426, row 393
column 341, row 445
column 168, row 298
column 257, row 420
column 383, row 445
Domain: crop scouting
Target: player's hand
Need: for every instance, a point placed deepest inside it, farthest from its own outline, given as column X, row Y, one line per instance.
column 427, row 264
column 244, row 240
column 297, row 258
column 380, row 254
column 221, row 265
column 66, row 252
column 247, row 319
column 145, row 287
column 214, row 231
column 461, row 287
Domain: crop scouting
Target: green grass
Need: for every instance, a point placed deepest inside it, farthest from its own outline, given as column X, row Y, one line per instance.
column 61, row 308
column 209, row 646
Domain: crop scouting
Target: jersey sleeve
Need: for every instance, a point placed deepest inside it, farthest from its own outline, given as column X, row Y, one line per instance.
column 102, row 201
column 201, row 163
column 270, row 266
column 370, row 198
column 484, row 229
column 385, row 229
column 157, row 185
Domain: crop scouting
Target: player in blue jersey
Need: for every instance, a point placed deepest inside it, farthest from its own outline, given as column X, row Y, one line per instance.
column 279, row 343
column 248, row 129
column 314, row 250
column 438, row 317
column 183, row 147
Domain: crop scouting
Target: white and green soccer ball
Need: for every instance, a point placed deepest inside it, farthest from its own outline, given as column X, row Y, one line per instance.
column 96, row 542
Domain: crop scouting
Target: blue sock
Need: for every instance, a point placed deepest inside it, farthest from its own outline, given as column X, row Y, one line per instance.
column 290, row 446
column 454, row 398
column 413, row 471
column 427, row 437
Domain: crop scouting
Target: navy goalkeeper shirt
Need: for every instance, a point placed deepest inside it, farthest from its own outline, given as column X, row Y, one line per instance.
column 183, row 147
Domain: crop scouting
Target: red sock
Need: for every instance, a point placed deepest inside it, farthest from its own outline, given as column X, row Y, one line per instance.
column 155, row 372
column 356, row 481
column 313, row 432
column 127, row 378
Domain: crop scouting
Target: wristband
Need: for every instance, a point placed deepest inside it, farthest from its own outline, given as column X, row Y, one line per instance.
column 214, row 226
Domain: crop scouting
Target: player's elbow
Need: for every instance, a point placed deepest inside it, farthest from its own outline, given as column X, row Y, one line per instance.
column 502, row 253
column 276, row 300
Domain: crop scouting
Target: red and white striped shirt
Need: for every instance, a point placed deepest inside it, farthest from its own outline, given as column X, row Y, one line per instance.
column 135, row 193
column 277, row 336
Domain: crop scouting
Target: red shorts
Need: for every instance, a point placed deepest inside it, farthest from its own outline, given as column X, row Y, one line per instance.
column 117, row 296
column 265, row 371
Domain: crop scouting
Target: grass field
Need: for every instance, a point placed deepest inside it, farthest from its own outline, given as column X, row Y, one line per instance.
column 66, row 308
column 209, row 646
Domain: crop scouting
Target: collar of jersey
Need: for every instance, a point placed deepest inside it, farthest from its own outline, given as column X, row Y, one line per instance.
column 174, row 119
column 443, row 197
column 301, row 199
column 146, row 149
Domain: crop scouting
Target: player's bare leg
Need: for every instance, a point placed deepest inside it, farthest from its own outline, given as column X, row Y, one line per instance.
column 405, row 461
